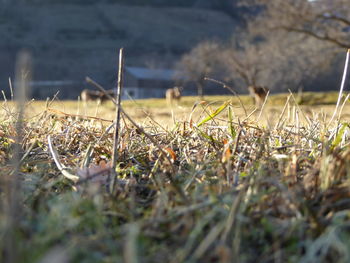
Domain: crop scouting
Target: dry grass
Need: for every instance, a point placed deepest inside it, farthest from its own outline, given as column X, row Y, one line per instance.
column 158, row 110
column 231, row 189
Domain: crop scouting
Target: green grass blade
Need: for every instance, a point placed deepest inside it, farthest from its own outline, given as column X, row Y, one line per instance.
column 207, row 136
column 214, row 114
column 339, row 137
column 230, row 125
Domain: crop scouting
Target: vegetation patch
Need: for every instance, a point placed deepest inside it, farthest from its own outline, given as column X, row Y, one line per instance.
column 215, row 188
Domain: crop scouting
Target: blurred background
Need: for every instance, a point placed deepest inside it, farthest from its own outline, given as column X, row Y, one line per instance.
column 280, row 44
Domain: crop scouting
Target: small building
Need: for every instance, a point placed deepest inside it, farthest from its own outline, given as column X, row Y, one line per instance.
column 140, row 83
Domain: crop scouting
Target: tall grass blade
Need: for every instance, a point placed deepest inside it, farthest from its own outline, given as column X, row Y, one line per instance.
column 63, row 169
column 342, row 86
column 214, row 114
column 338, row 139
column 230, row 124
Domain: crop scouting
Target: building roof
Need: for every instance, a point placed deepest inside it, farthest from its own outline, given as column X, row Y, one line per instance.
column 159, row 74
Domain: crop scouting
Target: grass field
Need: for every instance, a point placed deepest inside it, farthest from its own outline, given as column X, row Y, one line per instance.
column 196, row 182
column 157, row 109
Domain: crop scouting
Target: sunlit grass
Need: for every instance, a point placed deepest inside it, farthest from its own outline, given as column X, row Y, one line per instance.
column 160, row 110
column 191, row 186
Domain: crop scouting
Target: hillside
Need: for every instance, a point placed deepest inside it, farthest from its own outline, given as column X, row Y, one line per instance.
column 69, row 42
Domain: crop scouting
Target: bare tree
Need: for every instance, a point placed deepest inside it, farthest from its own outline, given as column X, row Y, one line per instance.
column 280, row 47
column 280, row 60
column 199, row 63
column 244, row 60
column 325, row 20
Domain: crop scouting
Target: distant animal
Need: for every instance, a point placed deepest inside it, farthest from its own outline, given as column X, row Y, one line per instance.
column 173, row 94
column 259, row 94
column 95, row 95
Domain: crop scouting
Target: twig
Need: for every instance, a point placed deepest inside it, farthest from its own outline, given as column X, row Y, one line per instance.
column 117, row 118
column 48, row 104
column 77, row 115
column 118, row 95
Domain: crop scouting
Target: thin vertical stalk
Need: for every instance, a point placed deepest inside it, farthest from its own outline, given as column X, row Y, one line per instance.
column 118, row 92
column 263, row 106
column 13, row 183
column 11, row 89
column 117, row 100
column 341, row 86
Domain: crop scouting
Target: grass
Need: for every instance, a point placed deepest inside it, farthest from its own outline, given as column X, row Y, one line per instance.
column 159, row 110
column 233, row 189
